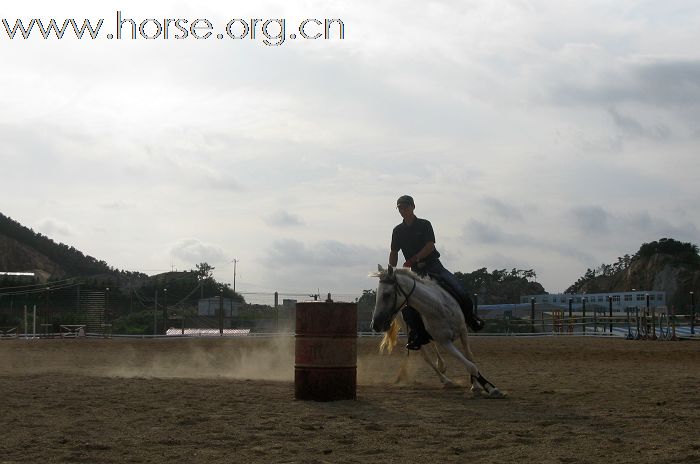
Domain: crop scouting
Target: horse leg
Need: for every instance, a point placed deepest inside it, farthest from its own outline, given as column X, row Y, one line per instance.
column 476, row 376
column 440, row 362
column 402, row 375
column 439, row 368
column 464, row 338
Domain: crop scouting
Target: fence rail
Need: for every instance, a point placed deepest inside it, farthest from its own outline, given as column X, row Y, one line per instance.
column 266, row 313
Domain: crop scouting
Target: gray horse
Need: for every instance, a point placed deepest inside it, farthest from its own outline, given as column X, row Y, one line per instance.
column 440, row 312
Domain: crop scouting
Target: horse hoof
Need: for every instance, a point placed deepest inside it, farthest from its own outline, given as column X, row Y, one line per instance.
column 450, row 385
column 496, row 394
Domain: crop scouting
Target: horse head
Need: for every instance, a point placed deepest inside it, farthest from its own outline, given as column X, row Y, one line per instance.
column 386, row 306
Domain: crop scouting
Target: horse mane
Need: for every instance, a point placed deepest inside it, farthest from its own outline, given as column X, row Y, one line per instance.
column 390, row 338
column 383, row 275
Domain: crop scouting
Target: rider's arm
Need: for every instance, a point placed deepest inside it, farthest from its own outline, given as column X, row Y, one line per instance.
column 424, row 252
column 393, row 258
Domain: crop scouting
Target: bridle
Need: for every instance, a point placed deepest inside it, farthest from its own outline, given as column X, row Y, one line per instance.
column 397, row 290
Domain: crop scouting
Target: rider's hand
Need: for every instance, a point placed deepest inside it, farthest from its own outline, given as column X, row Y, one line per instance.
column 410, row 263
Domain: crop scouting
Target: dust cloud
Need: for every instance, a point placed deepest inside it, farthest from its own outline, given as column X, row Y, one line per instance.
column 269, row 359
column 242, row 358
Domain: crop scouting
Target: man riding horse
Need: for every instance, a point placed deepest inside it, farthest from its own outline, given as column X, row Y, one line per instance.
column 416, row 239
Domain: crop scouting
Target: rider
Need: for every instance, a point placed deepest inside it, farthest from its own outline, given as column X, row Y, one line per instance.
column 416, row 239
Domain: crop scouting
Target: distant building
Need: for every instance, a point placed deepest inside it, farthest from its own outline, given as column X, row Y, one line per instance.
column 620, row 300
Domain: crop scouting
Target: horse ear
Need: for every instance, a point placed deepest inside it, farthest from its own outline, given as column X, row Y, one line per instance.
column 390, row 271
column 380, row 268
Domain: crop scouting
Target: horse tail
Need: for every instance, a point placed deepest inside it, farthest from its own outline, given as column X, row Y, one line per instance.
column 391, row 337
column 464, row 337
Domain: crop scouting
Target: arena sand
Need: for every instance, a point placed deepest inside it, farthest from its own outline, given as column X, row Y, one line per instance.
column 571, row 400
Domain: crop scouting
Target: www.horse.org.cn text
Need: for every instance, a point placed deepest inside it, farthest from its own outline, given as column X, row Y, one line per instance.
column 272, row 32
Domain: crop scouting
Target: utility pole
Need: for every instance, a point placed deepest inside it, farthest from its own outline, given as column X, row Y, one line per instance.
column 155, row 315
column 221, row 313
column 106, row 318
column 165, row 312
column 235, row 261
column 692, row 313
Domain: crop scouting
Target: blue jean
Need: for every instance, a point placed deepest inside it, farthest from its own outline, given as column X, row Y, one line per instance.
column 438, row 269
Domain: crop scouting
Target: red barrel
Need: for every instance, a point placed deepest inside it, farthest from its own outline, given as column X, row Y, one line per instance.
column 325, row 351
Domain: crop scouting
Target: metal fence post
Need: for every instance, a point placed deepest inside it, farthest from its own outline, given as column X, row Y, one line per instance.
column 692, row 313
column 221, row 313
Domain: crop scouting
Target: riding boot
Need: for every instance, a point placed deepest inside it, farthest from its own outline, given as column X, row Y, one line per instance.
column 473, row 321
column 417, row 335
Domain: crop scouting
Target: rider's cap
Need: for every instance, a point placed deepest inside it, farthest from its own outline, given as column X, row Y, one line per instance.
column 405, row 200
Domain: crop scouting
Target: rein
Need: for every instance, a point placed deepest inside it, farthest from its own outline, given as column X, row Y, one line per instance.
column 397, row 289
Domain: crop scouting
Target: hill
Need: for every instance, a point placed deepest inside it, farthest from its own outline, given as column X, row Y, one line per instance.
column 63, row 272
column 667, row 265
column 22, row 249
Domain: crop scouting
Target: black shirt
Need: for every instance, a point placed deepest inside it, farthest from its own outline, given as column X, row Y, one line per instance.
column 411, row 239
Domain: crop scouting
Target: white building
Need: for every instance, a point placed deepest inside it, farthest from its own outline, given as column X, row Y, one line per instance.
column 621, row 301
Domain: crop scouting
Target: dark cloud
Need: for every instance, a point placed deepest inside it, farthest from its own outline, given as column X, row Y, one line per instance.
column 502, row 209
column 664, row 83
column 329, row 253
column 670, row 81
column 488, row 233
column 631, row 126
column 491, row 234
column 194, row 251
column 590, row 219
column 284, row 219
column 630, row 225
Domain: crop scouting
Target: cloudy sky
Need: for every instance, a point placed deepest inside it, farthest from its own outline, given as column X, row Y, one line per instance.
column 553, row 135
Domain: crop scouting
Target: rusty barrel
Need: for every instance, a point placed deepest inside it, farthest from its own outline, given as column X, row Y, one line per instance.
column 325, row 351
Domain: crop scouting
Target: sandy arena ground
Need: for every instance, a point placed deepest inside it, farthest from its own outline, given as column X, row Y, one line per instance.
column 570, row 400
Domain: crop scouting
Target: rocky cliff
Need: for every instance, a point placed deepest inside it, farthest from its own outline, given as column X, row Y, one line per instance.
column 677, row 276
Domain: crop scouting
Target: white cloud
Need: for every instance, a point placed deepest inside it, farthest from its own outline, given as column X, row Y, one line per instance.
column 195, row 252
column 54, row 228
column 560, row 134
